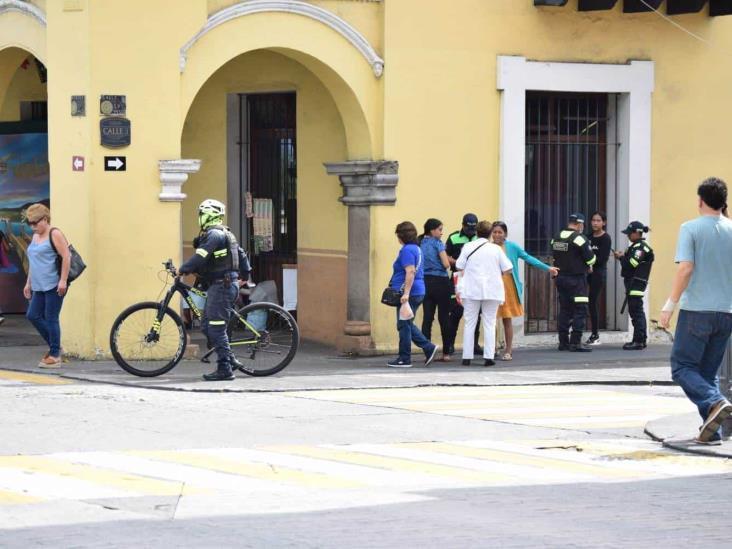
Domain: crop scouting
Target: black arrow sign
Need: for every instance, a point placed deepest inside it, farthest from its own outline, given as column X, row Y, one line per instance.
column 115, row 163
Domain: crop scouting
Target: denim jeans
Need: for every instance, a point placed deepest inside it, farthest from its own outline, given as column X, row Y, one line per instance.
column 43, row 313
column 409, row 333
column 699, row 344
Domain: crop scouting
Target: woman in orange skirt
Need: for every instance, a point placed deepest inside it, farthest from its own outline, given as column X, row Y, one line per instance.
column 512, row 307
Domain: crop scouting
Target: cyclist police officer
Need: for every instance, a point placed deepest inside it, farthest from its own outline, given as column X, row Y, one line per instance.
column 218, row 261
column 574, row 258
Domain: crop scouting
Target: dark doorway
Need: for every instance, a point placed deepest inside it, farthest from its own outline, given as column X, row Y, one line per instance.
column 269, row 183
column 566, row 171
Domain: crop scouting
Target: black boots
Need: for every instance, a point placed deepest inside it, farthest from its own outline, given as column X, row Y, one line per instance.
column 219, row 375
column 634, row 346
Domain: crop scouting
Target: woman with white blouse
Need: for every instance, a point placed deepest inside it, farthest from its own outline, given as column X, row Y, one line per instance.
column 480, row 290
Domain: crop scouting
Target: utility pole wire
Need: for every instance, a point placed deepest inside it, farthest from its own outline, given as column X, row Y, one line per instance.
column 675, row 24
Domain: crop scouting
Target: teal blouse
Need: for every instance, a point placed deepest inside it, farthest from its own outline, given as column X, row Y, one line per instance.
column 514, row 252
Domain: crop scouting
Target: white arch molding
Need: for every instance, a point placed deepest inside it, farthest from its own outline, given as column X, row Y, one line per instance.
column 25, row 8
column 298, row 7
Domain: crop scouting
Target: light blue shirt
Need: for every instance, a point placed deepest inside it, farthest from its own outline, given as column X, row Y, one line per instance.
column 431, row 248
column 707, row 243
column 43, row 271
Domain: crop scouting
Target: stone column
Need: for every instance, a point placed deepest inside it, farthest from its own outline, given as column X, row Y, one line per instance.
column 365, row 183
column 173, row 173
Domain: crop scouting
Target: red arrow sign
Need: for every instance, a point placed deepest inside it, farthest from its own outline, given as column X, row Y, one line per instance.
column 77, row 163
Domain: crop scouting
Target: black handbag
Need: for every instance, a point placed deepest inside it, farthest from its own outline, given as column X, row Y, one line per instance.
column 391, row 297
column 76, row 265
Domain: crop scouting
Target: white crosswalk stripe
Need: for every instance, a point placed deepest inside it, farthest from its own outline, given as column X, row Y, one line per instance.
column 541, row 406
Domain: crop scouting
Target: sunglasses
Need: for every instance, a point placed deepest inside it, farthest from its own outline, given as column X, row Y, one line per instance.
column 34, row 223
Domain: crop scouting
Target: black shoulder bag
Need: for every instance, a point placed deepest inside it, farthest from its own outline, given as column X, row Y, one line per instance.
column 393, row 297
column 76, row 265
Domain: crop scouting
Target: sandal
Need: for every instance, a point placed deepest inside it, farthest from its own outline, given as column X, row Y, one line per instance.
column 445, row 358
column 506, row 356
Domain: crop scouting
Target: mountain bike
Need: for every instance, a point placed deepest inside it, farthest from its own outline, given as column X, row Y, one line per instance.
column 149, row 338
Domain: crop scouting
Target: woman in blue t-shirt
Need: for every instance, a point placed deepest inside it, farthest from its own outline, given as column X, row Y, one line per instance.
column 408, row 277
column 438, row 289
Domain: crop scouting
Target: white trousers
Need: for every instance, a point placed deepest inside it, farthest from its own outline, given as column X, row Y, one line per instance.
column 487, row 309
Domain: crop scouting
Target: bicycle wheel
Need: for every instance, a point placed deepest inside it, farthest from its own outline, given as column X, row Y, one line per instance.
column 275, row 346
column 141, row 351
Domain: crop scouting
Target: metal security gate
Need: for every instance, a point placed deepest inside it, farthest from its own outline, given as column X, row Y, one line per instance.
column 270, row 184
column 566, row 171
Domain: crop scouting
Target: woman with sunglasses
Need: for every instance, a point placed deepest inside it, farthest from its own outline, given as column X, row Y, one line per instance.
column 46, row 286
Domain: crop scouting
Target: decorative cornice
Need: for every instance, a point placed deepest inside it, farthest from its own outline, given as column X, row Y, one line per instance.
column 25, row 8
column 250, row 7
column 173, row 173
column 366, row 182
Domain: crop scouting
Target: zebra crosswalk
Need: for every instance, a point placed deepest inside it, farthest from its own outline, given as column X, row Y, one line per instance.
column 557, row 406
column 276, row 478
column 9, row 378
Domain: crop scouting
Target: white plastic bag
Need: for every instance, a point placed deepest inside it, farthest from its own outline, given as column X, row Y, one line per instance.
column 405, row 311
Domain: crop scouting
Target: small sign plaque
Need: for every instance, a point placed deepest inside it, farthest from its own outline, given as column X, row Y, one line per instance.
column 113, row 105
column 115, row 163
column 115, row 132
column 78, row 105
column 77, row 163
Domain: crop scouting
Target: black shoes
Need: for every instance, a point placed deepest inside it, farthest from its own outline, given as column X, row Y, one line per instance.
column 489, row 362
column 219, row 375
column 477, row 350
column 466, row 362
column 634, row 346
column 579, row 348
column 563, row 347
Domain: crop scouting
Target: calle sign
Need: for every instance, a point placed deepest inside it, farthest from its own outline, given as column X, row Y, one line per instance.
column 115, row 132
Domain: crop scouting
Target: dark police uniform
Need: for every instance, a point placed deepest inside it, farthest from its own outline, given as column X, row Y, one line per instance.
column 453, row 247
column 573, row 256
column 636, row 269
column 218, row 261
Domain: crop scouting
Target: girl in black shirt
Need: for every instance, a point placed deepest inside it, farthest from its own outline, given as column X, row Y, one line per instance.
column 601, row 244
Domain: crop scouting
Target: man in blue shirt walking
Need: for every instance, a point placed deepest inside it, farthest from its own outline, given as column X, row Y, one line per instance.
column 702, row 288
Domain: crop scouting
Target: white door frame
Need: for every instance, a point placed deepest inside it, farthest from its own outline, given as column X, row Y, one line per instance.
column 634, row 84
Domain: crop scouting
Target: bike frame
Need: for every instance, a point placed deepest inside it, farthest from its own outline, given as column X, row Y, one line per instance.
column 185, row 290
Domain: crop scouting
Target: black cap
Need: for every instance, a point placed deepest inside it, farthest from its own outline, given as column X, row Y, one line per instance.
column 635, row 227
column 577, row 217
column 470, row 220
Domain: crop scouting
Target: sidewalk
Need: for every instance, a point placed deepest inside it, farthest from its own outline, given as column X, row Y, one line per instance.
column 317, row 367
column 678, row 432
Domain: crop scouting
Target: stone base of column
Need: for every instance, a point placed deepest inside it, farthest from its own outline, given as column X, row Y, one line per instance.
column 356, row 339
column 356, row 345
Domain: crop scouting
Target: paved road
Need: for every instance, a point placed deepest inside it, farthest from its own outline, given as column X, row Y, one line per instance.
column 93, row 465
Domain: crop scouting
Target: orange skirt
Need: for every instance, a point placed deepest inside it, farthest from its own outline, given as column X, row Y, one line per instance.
column 512, row 308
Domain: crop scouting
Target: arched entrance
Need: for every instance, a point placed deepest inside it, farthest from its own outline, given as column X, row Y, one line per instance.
column 264, row 124
column 24, row 173
column 269, row 98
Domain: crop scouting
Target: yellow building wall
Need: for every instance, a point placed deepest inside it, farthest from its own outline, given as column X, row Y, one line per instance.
column 24, row 86
column 322, row 220
column 436, row 110
column 442, row 111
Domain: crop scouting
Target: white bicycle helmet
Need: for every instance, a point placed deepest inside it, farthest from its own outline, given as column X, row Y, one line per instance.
column 210, row 212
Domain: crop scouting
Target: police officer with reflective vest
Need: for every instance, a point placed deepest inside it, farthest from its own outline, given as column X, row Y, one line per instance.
column 218, row 261
column 573, row 256
column 454, row 245
column 636, row 264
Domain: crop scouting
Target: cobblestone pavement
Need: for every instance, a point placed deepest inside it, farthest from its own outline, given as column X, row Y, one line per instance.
column 89, row 465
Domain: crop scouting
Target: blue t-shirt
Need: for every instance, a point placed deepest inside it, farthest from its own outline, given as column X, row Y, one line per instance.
column 707, row 242
column 410, row 254
column 431, row 248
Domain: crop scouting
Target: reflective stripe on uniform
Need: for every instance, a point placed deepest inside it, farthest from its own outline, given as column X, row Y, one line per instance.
column 592, row 261
column 203, row 253
column 635, row 293
column 565, row 234
column 217, row 322
column 579, row 240
column 633, row 261
column 580, row 299
column 221, row 253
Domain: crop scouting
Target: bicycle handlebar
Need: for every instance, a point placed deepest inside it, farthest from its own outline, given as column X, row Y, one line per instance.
column 170, row 267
